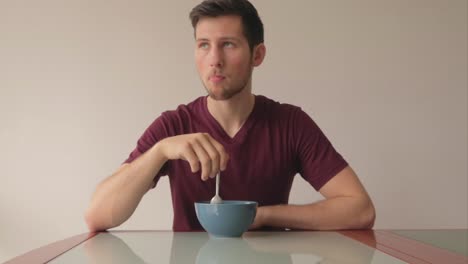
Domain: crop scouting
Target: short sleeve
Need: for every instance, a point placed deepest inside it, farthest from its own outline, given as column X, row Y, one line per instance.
column 318, row 160
column 153, row 134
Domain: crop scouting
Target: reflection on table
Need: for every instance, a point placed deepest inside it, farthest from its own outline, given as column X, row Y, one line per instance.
column 454, row 240
column 198, row 247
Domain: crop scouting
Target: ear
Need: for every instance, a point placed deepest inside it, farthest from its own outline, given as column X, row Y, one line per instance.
column 259, row 53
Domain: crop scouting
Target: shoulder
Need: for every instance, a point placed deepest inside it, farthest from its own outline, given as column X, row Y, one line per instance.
column 186, row 109
column 280, row 110
column 173, row 121
column 289, row 117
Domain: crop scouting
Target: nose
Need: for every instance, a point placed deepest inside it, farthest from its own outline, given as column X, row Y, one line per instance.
column 216, row 57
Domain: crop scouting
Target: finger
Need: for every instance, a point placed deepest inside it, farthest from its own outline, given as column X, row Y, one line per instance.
column 204, row 159
column 223, row 155
column 212, row 153
column 189, row 155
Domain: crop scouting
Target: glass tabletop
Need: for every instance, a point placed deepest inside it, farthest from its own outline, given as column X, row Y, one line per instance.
column 453, row 240
column 198, row 247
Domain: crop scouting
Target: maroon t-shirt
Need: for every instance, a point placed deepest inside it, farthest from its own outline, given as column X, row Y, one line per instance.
column 276, row 142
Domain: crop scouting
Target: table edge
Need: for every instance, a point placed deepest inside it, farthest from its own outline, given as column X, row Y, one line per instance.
column 53, row 250
column 408, row 250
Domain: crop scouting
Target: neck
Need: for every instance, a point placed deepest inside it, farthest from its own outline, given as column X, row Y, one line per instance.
column 231, row 114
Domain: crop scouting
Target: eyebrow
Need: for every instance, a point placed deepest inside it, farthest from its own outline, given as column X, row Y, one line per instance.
column 222, row 39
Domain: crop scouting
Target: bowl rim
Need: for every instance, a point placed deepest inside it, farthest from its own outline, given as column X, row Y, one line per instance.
column 228, row 203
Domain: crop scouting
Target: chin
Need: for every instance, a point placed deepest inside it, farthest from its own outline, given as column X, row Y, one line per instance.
column 218, row 94
column 217, row 97
column 224, row 95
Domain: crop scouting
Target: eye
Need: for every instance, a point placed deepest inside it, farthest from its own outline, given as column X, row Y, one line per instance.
column 203, row 45
column 228, row 44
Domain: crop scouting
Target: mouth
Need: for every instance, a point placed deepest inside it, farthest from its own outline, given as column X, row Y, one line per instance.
column 216, row 78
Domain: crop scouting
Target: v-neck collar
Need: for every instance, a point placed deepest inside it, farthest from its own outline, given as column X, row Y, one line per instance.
column 243, row 131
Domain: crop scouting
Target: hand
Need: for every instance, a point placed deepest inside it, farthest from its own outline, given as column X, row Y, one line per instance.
column 198, row 149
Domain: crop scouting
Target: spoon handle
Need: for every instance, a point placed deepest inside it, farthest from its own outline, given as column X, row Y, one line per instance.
column 217, row 184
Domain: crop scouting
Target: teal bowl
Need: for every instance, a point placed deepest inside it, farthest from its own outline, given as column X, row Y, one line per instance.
column 227, row 219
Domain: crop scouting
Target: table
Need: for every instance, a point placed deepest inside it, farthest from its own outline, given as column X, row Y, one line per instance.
column 351, row 246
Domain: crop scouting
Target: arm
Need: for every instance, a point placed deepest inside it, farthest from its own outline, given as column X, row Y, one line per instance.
column 346, row 206
column 117, row 197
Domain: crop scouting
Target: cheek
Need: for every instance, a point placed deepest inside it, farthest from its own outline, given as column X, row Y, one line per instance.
column 242, row 65
column 199, row 64
column 236, row 64
column 239, row 63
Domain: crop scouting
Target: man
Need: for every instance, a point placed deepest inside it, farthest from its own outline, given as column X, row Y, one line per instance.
column 257, row 144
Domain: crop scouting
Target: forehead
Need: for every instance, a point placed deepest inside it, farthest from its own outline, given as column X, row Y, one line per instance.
column 219, row 27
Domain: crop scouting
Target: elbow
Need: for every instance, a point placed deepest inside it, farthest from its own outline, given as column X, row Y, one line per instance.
column 368, row 216
column 92, row 222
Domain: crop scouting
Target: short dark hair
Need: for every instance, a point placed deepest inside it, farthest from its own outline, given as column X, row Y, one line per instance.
column 251, row 22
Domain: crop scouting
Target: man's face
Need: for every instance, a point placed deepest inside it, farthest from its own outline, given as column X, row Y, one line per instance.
column 223, row 58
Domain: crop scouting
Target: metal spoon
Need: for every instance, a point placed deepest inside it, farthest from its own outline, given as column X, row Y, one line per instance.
column 217, row 199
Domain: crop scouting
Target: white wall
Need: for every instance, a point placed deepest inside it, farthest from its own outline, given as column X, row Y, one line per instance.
column 81, row 80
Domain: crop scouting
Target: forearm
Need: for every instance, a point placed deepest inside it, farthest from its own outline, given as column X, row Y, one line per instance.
column 116, row 198
column 331, row 214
